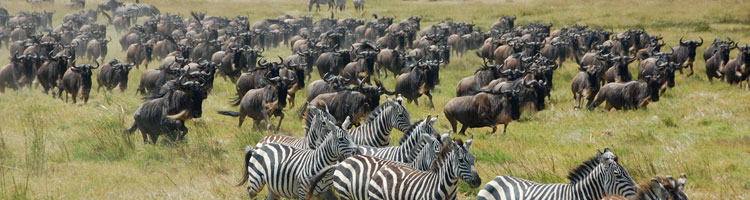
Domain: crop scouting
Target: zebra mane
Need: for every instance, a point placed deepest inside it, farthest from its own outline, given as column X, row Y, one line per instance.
column 583, row 170
column 409, row 130
column 444, row 153
column 376, row 112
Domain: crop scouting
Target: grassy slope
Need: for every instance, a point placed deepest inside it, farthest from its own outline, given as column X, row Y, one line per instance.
column 49, row 149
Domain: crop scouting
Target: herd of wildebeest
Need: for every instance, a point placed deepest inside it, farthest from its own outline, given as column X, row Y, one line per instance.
column 353, row 56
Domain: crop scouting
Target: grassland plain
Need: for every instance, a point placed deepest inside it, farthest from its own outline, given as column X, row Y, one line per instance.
column 53, row 150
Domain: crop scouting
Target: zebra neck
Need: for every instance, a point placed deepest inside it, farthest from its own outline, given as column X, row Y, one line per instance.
column 409, row 146
column 423, row 159
column 589, row 187
column 327, row 154
column 447, row 173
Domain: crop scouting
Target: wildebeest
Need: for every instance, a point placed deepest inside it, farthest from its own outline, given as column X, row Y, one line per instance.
column 140, row 53
column 485, row 109
column 718, row 60
column 11, row 73
column 619, row 72
column 738, row 69
column 685, row 54
column 362, row 67
column 263, row 103
column 295, row 72
column 51, row 71
column 392, row 60
column 712, row 49
column 113, row 74
column 420, row 80
column 96, row 49
column 630, row 95
column 585, row 85
column 472, row 84
column 328, row 84
column 167, row 111
column 77, row 82
column 659, row 65
column 332, row 62
column 255, row 78
column 153, row 79
column 354, row 103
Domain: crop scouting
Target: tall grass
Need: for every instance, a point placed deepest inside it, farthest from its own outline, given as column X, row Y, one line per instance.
column 50, row 148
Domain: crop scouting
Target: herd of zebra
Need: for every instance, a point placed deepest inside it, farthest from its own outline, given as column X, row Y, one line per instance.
column 332, row 160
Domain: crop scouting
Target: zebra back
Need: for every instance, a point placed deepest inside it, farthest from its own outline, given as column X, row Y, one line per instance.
column 406, row 151
column 376, row 133
column 400, row 182
column 595, row 178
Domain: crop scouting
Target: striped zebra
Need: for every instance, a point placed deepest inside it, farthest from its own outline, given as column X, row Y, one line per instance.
column 315, row 133
column 454, row 162
column 286, row 169
column 350, row 177
column 406, row 151
column 377, row 129
column 600, row 176
column 658, row 189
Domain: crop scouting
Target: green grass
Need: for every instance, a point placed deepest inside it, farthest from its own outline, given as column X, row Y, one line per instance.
column 50, row 149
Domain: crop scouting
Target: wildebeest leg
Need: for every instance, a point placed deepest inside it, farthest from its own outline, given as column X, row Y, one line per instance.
column 184, row 131
column 691, row 69
column 505, row 127
column 281, row 117
column 256, row 124
column 154, row 137
column 429, row 96
column 267, row 119
column 608, row 107
column 463, row 129
column 145, row 136
column 576, row 100
column 453, row 123
column 242, row 119
column 416, row 102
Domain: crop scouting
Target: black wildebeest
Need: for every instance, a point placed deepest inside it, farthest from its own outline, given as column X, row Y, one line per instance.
column 661, row 65
column 255, row 78
column 712, row 49
column 738, row 69
column 153, row 79
column 77, row 82
column 718, row 60
column 11, row 73
column 52, row 71
column 420, row 80
column 166, row 112
column 263, row 103
column 140, row 53
column 619, row 72
column 685, row 54
column 332, row 62
column 472, row 84
column 354, row 103
column 630, row 95
column 328, row 84
column 96, row 49
column 485, row 109
column 113, row 74
column 585, row 85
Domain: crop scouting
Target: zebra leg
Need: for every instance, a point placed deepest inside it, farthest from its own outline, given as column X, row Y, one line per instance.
column 271, row 196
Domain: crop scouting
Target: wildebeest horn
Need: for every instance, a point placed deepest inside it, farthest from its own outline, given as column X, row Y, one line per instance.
column 700, row 43
column 97, row 65
column 681, row 43
column 282, row 60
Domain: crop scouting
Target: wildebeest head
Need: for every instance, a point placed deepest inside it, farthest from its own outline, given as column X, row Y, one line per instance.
column 122, row 70
column 85, row 72
column 538, row 90
column 691, row 45
column 282, row 85
column 515, row 104
column 194, row 96
column 432, row 72
column 667, row 68
column 653, row 85
column 371, row 92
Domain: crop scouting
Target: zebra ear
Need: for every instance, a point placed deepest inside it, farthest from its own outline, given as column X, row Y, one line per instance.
column 434, row 119
column 682, row 181
column 445, row 137
column 400, row 99
column 346, row 123
column 467, row 144
column 658, row 187
column 599, row 154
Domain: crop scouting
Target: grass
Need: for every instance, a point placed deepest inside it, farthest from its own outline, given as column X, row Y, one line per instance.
column 50, row 149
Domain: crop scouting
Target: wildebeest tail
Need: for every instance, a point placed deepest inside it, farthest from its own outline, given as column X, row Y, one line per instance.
column 229, row 113
column 235, row 101
column 131, row 129
column 315, row 179
column 301, row 110
column 248, row 153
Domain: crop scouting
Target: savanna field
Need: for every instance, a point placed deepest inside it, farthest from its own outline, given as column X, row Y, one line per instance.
column 50, row 149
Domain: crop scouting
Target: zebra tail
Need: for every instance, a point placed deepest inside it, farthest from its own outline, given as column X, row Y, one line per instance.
column 248, row 154
column 315, row 179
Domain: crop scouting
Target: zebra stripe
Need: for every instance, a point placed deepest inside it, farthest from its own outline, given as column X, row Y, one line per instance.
column 656, row 189
column 400, row 182
column 351, row 176
column 376, row 131
column 594, row 179
column 315, row 133
column 286, row 169
column 406, row 151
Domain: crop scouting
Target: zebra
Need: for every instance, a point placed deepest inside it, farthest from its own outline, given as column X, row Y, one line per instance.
column 658, row 189
column 315, row 133
column 377, row 129
column 440, row 182
column 286, row 169
column 406, row 151
column 599, row 176
column 350, row 177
